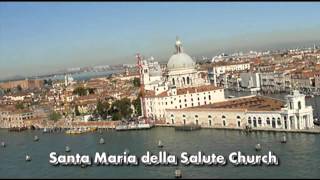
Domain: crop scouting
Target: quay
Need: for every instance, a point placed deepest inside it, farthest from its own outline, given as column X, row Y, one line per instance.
column 315, row 130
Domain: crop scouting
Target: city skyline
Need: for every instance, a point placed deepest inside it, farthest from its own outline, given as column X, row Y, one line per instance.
column 47, row 37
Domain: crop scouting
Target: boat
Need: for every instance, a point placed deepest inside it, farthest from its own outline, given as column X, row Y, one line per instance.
column 177, row 173
column 188, row 127
column 45, row 130
column 160, row 145
column 68, row 149
column 36, row 138
column 101, row 141
column 124, row 127
column 17, row 129
column 3, row 144
column 258, row 147
column 284, row 139
column 80, row 130
column 28, row 158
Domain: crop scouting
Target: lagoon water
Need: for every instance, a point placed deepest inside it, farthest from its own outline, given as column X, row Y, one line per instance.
column 299, row 157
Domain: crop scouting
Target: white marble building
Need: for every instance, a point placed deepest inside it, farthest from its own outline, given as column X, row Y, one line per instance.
column 257, row 112
column 181, row 85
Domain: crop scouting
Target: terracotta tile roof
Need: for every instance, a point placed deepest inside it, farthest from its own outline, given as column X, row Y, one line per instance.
column 181, row 91
column 249, row 103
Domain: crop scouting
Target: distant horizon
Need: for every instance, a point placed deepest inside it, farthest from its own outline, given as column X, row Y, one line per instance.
column 244, row 50
column 47, row 37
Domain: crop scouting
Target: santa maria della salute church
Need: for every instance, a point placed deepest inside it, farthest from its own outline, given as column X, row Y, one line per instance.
column 180, row 94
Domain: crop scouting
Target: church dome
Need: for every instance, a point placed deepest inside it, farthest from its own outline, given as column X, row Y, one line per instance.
column 180, row 60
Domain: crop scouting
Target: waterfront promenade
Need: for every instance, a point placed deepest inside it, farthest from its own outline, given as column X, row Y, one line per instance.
column 315, row 130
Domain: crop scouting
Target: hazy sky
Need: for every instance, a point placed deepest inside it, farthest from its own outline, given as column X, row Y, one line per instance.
column 38, row 37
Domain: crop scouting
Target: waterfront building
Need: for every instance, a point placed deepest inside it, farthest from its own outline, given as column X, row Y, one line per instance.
column 181, row 85
column 12, row 117
column 258, row 112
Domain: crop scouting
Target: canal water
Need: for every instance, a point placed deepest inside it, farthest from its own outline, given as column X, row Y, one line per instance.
column 299, row 157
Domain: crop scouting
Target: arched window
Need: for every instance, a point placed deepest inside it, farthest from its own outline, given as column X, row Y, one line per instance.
column 238, row 117
column 209, row 116
column 196, row 116
column 223, row 116
column 210, row 122
column 224, row 123
column 188, row 80
column 268, row 120
column 184, row 80
column 278, row 121
column 173, row 82
column 299, row 104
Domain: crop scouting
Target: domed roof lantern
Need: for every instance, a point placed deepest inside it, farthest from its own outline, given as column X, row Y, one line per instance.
column 178, row 45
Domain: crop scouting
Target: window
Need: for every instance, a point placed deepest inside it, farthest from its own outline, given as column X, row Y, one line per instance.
column 209, row 116
column 239, row 124
column 268, row 121
column 278, row 121
column 172, row 115
column 259, row 121
column 238, row 117
column 209, row 97
column 299, row 104
column 223, row 116
column 210, row 122
column 196, row 116
column 184, row 115
column 224, row 123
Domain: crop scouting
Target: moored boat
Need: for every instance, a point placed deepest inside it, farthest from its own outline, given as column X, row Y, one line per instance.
column 18, row 129
column 124, row 127
column 80, row 130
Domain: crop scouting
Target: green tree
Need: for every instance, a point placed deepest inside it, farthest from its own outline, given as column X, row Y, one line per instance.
column 19, row 105
column 136, row 82
column 137, row 106
column 80, row 91
column 102, row 109
column 116, row 116
column 121, row 109
column 55, row 116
